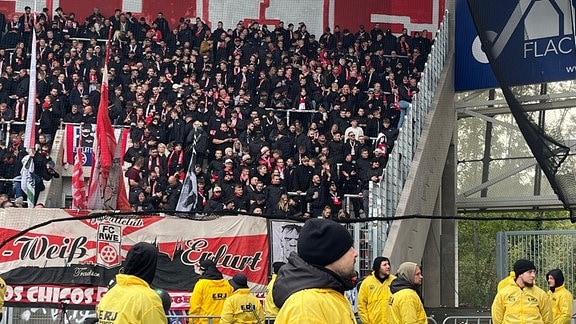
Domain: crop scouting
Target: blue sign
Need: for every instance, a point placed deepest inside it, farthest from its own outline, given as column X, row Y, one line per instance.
column 473, row 70
column 531, row 41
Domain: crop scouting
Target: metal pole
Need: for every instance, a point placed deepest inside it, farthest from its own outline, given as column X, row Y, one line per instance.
column 7, row 134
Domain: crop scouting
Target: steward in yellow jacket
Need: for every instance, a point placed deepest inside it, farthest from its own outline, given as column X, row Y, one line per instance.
column 241, row 307
column 560, row 297
column 375, row 292
column 132, row 300
column 405, row 305
column 310, row 287
column 269, row 306
column 522, row 302
column 209, row 293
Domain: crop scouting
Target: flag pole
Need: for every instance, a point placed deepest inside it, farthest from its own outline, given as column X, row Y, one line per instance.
column 103, row 147
column 30, row 129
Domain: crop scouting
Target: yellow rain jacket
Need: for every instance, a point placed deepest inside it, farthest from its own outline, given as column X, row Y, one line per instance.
column 508, row 281
column 562, row 307
column 315, row 306
column 131, row 300
column 2, row 292
column 513, row 305
column 300, row 300
column 269, row 306
column 243, row 308
column 208, row 298
column 372, row 299
column 405, row 307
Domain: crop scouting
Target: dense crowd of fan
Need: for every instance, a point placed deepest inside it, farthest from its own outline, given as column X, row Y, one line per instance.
column 274, row 119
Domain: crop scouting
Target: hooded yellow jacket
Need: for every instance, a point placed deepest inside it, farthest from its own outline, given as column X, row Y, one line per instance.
column 316, row 306
column 513, row 305
column 243, row 308
column 508, row 281
column 372, row 299
column 405, row 307
column 131, row 300
column 269, row 306
column 561, row 300
column 208, row 298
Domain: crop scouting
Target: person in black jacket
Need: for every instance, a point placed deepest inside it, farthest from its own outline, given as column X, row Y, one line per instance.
column 143, row 203
column 215, row 203
column 172, row 193
column 48, row 121
column 74, row 116
column 316, row 195
column 273, row 192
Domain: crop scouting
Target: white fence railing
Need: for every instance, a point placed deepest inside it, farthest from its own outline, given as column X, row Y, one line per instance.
column 385, row 195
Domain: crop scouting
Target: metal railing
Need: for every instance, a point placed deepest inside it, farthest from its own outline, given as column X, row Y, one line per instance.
column 547, row 249
column 467, row 319
column 385, row 195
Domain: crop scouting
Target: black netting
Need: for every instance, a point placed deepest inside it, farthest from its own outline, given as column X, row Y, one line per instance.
column 549, row 152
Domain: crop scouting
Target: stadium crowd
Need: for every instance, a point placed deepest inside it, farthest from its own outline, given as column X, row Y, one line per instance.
column 264, row 111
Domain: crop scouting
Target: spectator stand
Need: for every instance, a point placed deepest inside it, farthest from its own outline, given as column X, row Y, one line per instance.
column 203, row 77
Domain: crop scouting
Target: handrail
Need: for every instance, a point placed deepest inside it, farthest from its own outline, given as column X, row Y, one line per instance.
column 468, row 319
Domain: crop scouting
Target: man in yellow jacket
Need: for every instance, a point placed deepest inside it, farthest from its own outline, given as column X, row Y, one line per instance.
column 560, row 297
column 241, row 307
column 522, row 302
column 132, row 300
column 405, row 305
column 209, row 293
column 375, row 292
column 310, row 287
column 269, row 307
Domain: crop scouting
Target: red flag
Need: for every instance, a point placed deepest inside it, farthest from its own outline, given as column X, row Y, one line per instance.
column 78, row 187
column 122, row 202
column 116, row 183
column 100, row 195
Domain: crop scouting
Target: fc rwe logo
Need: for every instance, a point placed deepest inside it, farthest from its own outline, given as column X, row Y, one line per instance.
column 109, row 245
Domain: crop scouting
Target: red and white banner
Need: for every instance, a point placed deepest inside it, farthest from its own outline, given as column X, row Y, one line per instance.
column 76, row 259
column 317, row 14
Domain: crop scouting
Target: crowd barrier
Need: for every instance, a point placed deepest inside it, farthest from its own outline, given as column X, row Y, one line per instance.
column 467, row 319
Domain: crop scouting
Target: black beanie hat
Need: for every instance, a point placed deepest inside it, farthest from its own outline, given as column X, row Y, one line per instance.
column 323, row 241
column 558, row 277
column 522, row 266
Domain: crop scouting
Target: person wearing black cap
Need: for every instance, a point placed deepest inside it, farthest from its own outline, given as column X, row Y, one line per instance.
column 209, row 293
column 310, row 287
column 241, row 306
column 131, row 300
column 375, row 292
column 523, row 302
column 269, row 305
column 560, row 297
